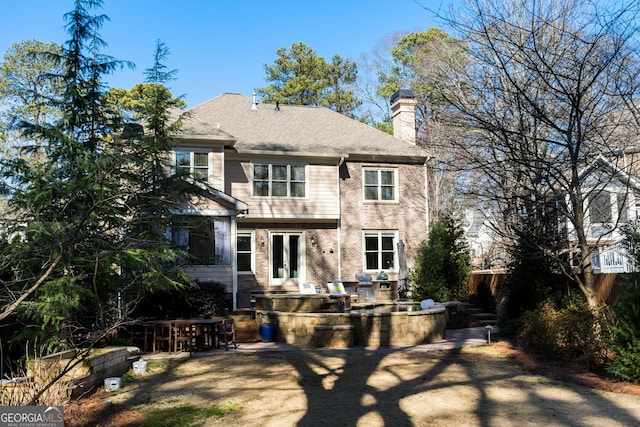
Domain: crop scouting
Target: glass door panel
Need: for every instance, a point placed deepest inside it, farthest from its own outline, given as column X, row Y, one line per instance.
column 286, row 258
column 294, row 256
column 277, row 256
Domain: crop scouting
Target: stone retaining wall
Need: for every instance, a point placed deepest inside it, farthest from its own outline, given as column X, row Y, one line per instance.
column 361, row 329
column 88, row 373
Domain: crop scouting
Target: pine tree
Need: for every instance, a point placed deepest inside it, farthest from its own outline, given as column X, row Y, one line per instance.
column 81, row 234
column 442, row 267
column 300, row 77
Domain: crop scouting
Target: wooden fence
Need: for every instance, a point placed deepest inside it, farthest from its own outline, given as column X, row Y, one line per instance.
column 606, row 289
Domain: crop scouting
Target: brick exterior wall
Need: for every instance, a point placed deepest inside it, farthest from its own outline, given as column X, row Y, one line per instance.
column 408, row 216
column 323, row 245
column 321, row 254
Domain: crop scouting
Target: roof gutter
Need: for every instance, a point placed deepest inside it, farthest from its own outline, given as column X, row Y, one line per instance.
column 227, row 140
column 279, row 153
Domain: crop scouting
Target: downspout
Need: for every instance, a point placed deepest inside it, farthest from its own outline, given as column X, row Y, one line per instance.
column 234, row 264
column 426, row 194
column 339, row 225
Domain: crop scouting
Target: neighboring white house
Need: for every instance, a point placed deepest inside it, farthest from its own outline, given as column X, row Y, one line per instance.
column 613, row 197
column 612, row 203
column 482, row 240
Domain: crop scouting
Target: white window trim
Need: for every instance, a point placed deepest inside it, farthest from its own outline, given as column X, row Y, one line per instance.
column 192, row 152
column 222, row 247
column 365, row 233
column 270, row 181
column 252, row 235
column 395, row 185
column 630, row 207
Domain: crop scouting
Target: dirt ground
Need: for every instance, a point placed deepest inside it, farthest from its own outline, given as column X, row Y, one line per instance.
column 477, row 386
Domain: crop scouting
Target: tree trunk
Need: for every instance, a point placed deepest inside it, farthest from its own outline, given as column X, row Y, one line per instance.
column 587, row 283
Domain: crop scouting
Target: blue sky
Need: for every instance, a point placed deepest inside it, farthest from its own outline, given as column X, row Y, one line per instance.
column 222, row 46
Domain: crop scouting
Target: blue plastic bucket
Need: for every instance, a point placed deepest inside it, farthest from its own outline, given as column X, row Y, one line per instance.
column 267, row 333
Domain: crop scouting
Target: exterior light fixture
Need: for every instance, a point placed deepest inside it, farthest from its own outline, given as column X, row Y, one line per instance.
column 488, row 328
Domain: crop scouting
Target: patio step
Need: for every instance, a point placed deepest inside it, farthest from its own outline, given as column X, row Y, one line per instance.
column 483, row 316
column 480, row 317
column 484, row 319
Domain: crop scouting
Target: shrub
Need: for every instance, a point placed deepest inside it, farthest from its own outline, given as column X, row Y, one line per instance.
column 203, row 299
column 207, row 300
column 572, row 332
column 625, row 342
column 531, row 282
column 442, row 267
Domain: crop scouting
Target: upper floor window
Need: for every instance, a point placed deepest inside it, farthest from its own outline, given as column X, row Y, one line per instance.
column 380, row 184
column 279, row 180
column 380, row 250
column 623, row 212
column 600, row 208
column 193, row 162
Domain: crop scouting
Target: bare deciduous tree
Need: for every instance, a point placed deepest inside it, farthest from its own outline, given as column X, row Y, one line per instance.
column 410, row 61
column 540, row 101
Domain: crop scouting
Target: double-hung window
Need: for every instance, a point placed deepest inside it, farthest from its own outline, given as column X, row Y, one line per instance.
column 380, row 250
column 193, row 163
column 244, row 252
column 270, row 180
column 600, row 208
column 380, row 184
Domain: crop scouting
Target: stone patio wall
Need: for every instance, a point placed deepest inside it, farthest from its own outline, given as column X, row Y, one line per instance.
column 341, row 330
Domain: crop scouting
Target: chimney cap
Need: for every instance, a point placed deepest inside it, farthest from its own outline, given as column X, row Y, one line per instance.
column 403, row 93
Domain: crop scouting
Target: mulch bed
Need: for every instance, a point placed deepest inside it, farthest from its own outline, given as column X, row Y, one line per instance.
column 96, row 410
column 563, row 371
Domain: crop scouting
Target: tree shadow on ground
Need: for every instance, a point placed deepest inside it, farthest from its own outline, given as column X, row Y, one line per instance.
column 379, row 389
column 375, row 388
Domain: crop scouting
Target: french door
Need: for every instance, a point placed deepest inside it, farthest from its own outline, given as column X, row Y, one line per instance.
column 287, row 258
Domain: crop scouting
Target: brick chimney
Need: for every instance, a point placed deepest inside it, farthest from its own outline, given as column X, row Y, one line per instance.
column 403, row 110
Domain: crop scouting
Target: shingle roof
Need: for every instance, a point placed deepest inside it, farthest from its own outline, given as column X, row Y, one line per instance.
column 293, row 129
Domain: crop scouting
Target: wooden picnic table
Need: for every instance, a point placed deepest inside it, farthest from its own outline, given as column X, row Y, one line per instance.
column 178, row 334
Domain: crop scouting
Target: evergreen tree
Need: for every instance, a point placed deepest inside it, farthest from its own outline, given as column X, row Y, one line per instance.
column 81, row 235
column 412, row 56
column 27, row 88
column 625, row 363
column 407, row 61
column 532, row 280
column 300, row 77
column 442, row 267
column 155, row 190
column 65, row 207
column 130, row 104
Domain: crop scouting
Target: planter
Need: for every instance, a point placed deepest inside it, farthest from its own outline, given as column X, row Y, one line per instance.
column 267, row 333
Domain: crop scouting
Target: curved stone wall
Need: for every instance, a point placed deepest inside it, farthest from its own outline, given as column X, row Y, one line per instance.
column 347, row 329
